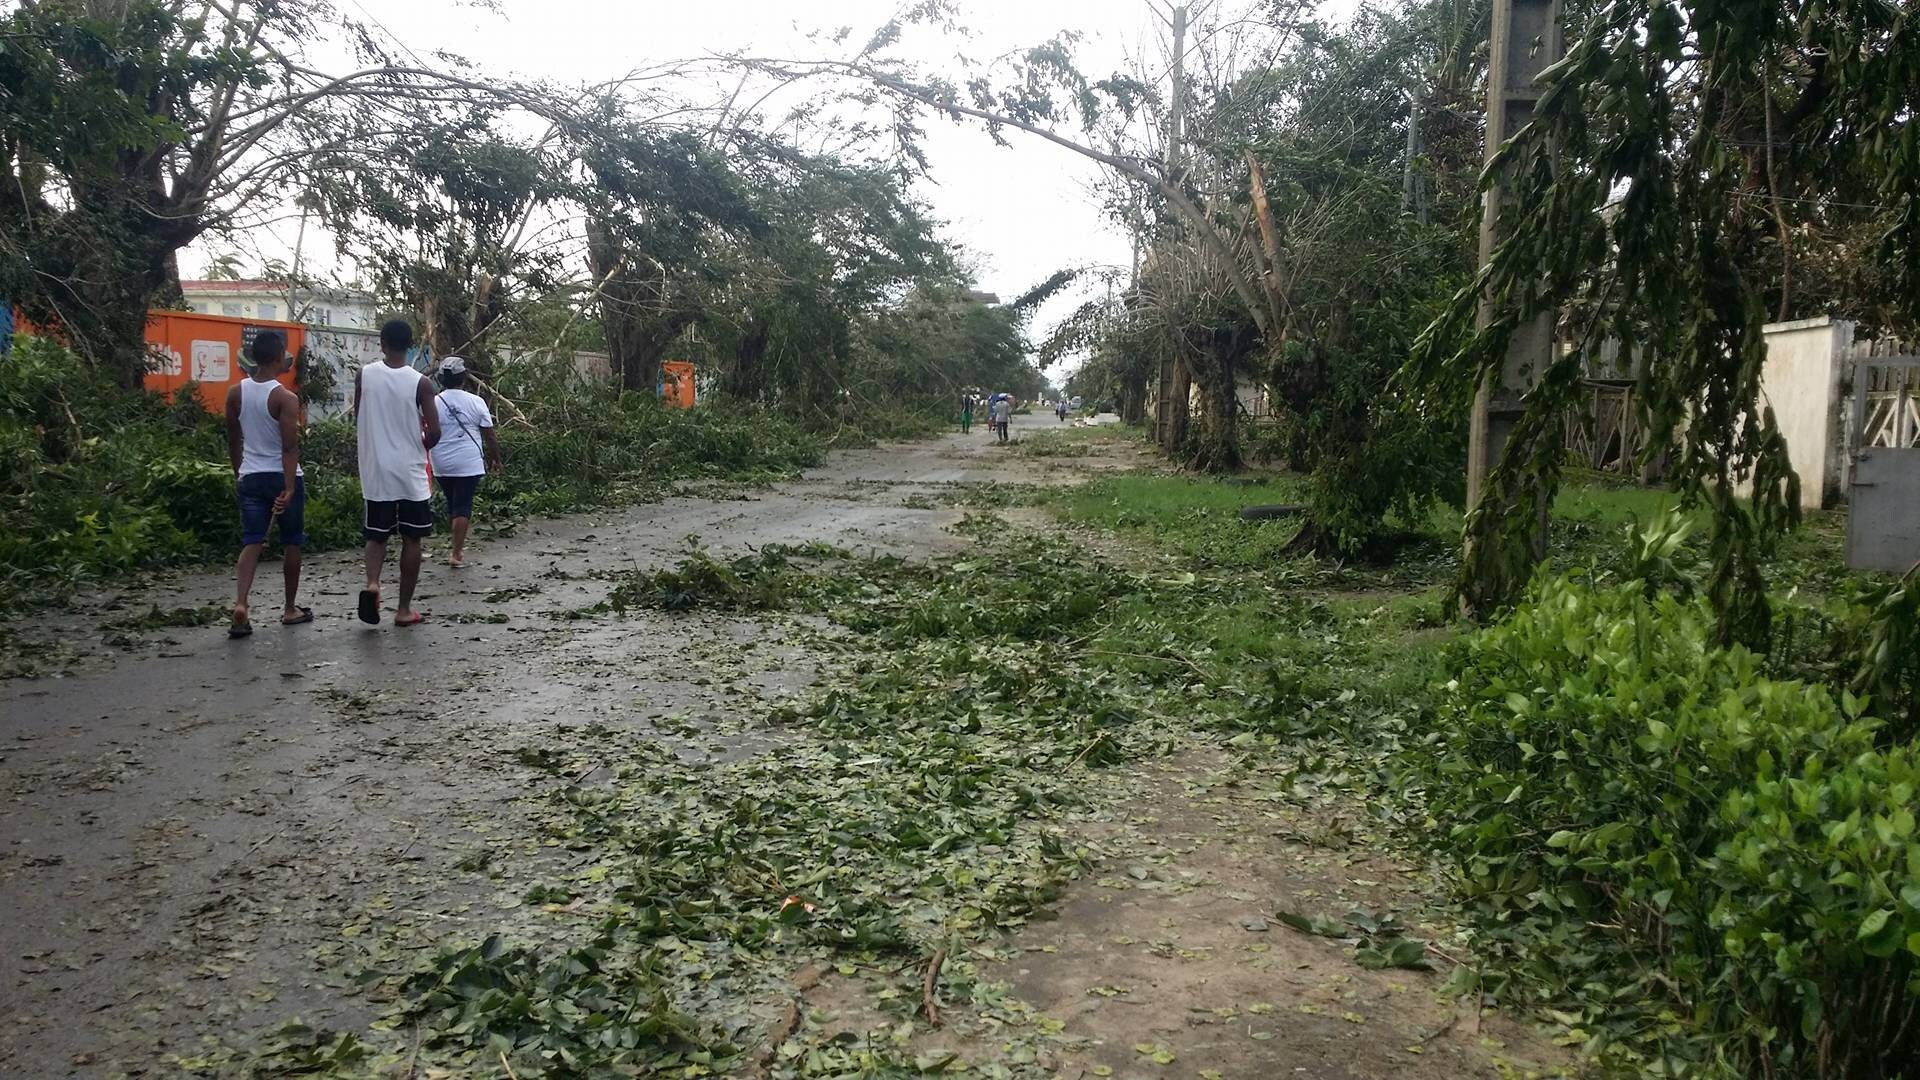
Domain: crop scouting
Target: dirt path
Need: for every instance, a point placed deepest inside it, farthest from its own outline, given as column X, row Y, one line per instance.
column 200, row 836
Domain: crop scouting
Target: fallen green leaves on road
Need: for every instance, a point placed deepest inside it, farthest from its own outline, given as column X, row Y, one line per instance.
column 910, row 805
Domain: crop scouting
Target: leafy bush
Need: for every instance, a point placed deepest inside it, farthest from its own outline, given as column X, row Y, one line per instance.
column 97, row 479
column 1866, row 636
column 1623, row 796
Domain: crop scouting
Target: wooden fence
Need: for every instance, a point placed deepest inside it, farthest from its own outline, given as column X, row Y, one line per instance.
column 1606, row 434
column 1890, row 402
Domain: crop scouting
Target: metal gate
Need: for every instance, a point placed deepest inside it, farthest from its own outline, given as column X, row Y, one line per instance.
column 1883, row 499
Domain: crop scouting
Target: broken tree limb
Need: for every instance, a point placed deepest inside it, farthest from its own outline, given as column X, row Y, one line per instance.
column 1183, row 204
column 1077, row 758
column 777, row 1035
column 927, row 986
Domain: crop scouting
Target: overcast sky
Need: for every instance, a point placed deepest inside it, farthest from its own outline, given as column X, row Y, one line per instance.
column 1022, row 212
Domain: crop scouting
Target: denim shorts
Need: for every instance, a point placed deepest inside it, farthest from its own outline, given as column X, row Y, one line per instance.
column 256, row 493
column 459, row 492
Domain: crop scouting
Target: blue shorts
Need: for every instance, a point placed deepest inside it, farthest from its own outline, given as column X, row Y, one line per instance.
column 459, row 492
column 256, row 492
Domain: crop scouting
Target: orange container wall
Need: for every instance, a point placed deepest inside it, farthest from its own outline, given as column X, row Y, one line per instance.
column 676, row 384
column 207, row 350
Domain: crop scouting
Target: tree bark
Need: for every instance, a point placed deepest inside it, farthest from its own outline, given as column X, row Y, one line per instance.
column 1217, row 355
column 1213, row 444
column 1179, row 395
column 640, row 325
column 1132, row 405
column 744, row 375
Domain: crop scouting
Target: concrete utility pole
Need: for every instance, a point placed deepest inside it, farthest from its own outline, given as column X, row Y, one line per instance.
column 1526, row 40
column 1413, row 195
column 1171, row 382
column 1177, row 113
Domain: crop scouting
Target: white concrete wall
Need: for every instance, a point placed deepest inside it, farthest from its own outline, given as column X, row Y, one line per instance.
column 1802, row 382
column 1253, row 399
column 593, row 366
column 345, row 350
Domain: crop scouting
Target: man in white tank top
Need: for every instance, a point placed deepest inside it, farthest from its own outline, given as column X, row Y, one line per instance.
column 263, row 441
column 394, row 412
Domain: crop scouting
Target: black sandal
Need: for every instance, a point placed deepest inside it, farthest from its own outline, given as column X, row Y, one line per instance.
column 306, row 616
column 240, row 630
column 369, row 607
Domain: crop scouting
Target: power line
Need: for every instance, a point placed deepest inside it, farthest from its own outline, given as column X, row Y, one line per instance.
column 1816, row 202
column 408, row 49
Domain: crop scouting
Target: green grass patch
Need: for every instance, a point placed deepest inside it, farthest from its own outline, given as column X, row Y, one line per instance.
column 1194, row 517
column 1069, row 440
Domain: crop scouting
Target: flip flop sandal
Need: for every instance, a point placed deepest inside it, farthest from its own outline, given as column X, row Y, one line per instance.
column 306, row 616
column 240, row 630
column 369, row 607
column 418, row 618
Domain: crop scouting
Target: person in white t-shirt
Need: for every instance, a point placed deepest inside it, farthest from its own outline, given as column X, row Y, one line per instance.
column 263, row 441
column 393, row 411
column 467, row 448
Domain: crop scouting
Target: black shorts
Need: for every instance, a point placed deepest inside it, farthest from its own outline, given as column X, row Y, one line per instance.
column 459, row 492
column 407, row 517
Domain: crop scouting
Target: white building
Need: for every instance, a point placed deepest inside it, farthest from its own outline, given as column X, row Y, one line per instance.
column 343, row 329
column 347, row 309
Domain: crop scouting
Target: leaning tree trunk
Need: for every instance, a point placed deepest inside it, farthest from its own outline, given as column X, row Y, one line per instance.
column 744, row 375
column 488, row 307
column 1213, row 443
column 1179, row 392
column 634, row 313
column 445, row 327
column 1133, row 401
column 639, row 345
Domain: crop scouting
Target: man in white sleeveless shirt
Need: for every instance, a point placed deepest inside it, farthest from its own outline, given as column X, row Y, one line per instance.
column 263, row 441
column 394, row 412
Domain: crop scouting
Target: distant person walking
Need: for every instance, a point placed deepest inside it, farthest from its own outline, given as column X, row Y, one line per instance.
column 391, row 404
column 1002, row 414
column 966, row 414
column 470, row 447
column 263, row 442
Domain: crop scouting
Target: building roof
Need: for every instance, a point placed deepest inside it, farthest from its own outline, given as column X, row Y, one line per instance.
column 275, row 287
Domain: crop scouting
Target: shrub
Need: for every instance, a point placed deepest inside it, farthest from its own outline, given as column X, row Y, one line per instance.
column 98, row 479
column 1608, row 773
column 1865, row 636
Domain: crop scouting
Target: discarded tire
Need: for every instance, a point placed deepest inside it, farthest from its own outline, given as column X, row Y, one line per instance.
column 1271, row 512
